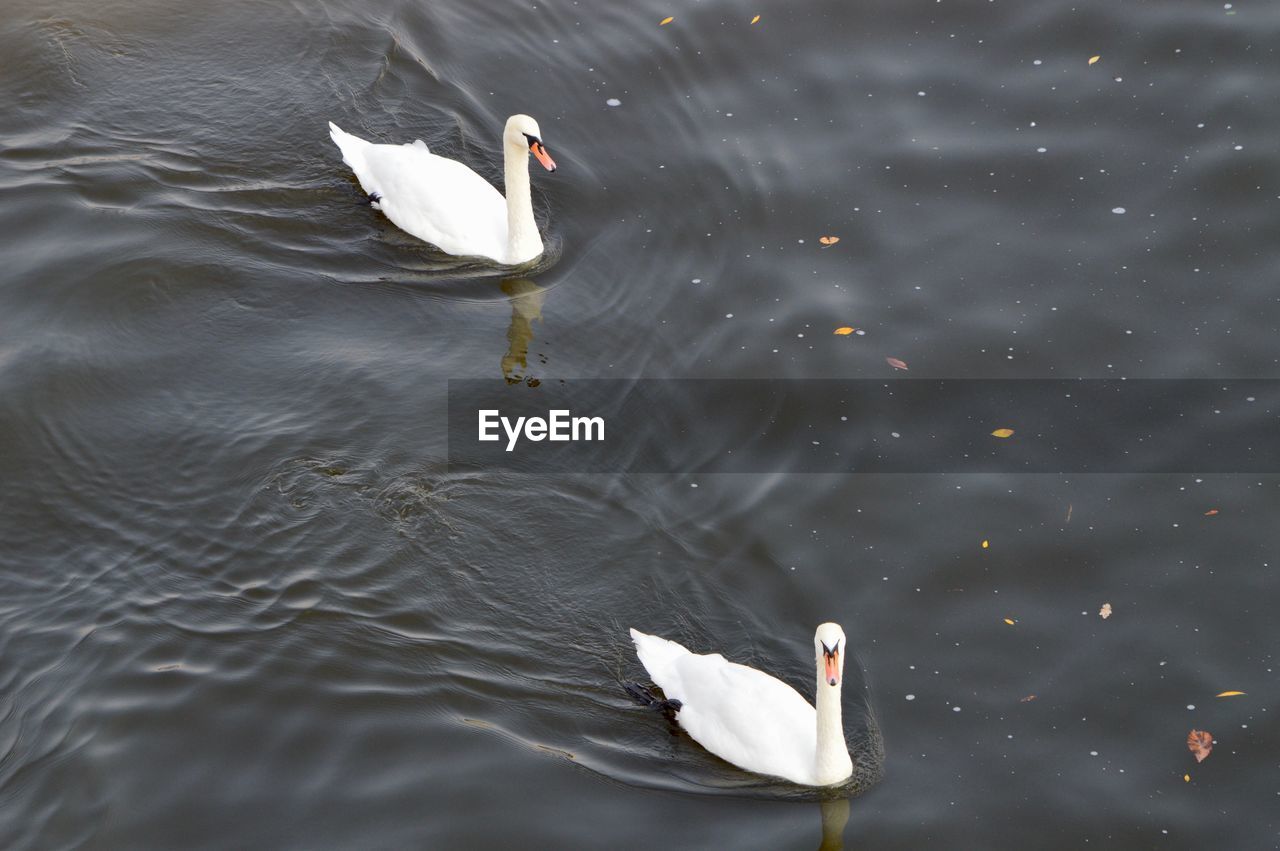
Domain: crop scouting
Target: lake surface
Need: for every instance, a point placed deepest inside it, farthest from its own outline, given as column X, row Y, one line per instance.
column 246, row 602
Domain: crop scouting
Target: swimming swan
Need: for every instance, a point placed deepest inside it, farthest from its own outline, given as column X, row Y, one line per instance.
column 445, row 203
column 751, row 719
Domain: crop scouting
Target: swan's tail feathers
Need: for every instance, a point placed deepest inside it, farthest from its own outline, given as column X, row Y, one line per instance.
column 352, row 147
column 658, row 655
column 646, row 697
column 353, row 150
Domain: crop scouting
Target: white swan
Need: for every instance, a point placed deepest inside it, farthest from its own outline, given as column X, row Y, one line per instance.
column 751, row 719
column 445, row 203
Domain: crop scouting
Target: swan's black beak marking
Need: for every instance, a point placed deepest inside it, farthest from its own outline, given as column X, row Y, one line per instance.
column 831, row 660
column 540, row 151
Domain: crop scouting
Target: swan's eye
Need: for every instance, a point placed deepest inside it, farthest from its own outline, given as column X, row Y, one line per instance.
column 534, row 141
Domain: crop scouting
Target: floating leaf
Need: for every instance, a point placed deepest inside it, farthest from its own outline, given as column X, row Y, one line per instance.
column 843, row 331
column 1200, row 743
column 895, row 363
column 1027, row 699
column 1105, row 611
column 986, row 544
column 1186, row 778
column 756, row 19
column 1211, row 512
column 1069, row 507
column 1231, row 694
column 1002, row 432
column 828, row 240
column 1094, row 59
column 1010, row 621
column 665, row 21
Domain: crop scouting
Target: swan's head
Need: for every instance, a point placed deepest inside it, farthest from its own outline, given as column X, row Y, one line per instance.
column 523, row 131
column 829, row 650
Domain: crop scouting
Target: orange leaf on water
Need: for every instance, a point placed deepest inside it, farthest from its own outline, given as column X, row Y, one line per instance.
column 665, row 21
column 1211, row 512
column 1002, row 432
column 1094, row 59
column 828, row 240
column 1200, row 743
column 1105, row 611
column 1231, row 694
column 843, row 331
column 756, row 19
column 1010, row 621
column 895, row 363
column 1027, row 699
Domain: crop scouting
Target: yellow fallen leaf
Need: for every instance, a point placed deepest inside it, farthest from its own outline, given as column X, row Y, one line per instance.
column 1211, row 512
column 828, row 240
column 1010, row 621
column 665, row 21
column 1094, row 59
column 1186, row 778
column 843, row 331
column 1105, row 611
column 756, row 19
column 986, row 544
column 1231, row 694
column 1002, row 432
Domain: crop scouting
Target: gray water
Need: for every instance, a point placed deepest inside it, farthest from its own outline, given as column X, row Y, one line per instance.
column 245, row 602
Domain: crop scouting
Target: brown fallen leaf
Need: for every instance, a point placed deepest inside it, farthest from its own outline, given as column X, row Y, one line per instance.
column 1200, row 743
column 1094, row 59
column 1211, row 512
column 1027, row 699
column 1002, row 432
column 756, row 19
column 665, row 21
column 1010, row 621
column 828, row 240
column 1231, row 694
column 1105, row 611
column 1069, row 507
column 895, row 363
column 843, row 331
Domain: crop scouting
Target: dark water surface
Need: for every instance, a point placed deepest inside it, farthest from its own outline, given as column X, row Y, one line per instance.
column 244, row 601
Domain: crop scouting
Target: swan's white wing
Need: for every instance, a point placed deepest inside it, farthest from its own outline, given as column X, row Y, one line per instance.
column 740, row 714
column 438, row 200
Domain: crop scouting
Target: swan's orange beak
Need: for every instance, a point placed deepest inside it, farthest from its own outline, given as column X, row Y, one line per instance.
column 540, row 151
column 832, row 667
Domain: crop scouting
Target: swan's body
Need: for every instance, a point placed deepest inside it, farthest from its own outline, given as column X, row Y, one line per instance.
column 752, row 719
column 445, row 203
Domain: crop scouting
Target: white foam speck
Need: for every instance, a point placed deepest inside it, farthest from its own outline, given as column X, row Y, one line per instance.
column 1119, row 211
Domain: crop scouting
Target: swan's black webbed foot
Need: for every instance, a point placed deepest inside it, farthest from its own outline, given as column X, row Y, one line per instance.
column 374, row 199
column 645, row 697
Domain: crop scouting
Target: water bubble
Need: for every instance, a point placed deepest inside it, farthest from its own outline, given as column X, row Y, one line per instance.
column 613, row 102
column 1119, row 211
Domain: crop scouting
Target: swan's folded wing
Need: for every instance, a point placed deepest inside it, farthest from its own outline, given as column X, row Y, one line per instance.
column 746, row 717
column 438, row 200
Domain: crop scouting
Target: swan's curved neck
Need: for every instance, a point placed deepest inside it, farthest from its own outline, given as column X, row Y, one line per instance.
column 523, row 241
column 833, row 762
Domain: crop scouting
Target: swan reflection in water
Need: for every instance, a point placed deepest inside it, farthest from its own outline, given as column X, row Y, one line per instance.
column 526, row 306
column 835, row 815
